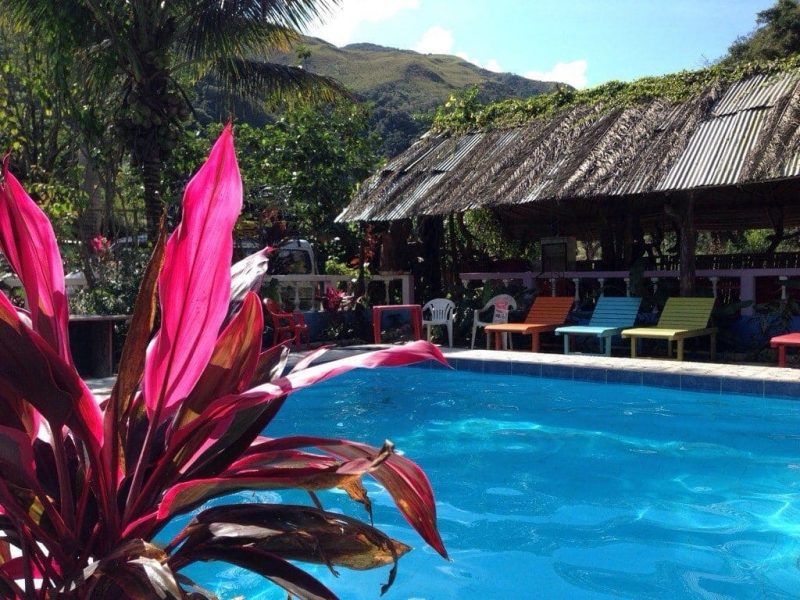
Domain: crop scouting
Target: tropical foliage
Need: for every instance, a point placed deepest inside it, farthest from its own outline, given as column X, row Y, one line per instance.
column 462, row 113
column 301, row 169
column 85, row 486
column 777, row 34
column 138, row 52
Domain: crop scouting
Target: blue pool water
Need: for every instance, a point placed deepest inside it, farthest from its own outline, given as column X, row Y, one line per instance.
column 561, row 489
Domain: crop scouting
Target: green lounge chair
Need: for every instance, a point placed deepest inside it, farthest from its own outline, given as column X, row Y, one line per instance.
column 610, row 317
column 681, row 318
column 545, row 314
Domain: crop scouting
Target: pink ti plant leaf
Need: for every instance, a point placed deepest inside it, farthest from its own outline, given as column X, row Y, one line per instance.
column 194, row 287
column 28, row 242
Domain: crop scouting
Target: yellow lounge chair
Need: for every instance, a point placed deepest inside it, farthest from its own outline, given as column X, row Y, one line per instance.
column 681, row 318
column 545, row 314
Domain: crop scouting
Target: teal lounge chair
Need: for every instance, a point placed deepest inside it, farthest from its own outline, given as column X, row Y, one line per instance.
column 610, row 317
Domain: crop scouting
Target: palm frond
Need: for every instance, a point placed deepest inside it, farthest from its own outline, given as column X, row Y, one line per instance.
column 270, row 82
column 292, row 14
column 206, row 39
column 62, row 20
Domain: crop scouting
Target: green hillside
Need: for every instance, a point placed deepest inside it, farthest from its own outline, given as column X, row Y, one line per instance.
column 403, row 87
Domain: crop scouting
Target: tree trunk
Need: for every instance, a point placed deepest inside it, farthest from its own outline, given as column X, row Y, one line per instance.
column 153, row 204
column 431, row 232
column 89, row 219
column 607, row 245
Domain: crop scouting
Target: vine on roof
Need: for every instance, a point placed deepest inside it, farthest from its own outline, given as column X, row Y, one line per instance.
column 462, row 112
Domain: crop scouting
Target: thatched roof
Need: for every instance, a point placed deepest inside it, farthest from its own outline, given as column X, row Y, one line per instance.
column 735, row 145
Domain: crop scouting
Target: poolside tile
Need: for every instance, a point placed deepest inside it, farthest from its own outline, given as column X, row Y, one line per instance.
column 783, row 389
column 659, row 379
column 624, row 376
column 467, row 364
column 433, row 364
column 700, row 383
column 557, row 371
column 751, row 387
column 592, row 374
column 501, row 367
column 524, row 368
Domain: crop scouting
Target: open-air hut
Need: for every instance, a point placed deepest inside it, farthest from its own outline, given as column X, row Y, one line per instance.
column 717, row 149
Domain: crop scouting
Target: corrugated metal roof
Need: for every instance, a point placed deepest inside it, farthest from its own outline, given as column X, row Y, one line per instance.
column 398, row 211
column 464, row 146
column 759, row 91
column 434, row 145
column 716, row 152
column 791, row 168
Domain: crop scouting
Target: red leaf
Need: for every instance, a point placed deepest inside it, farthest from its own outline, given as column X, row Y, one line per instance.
column 246, row 276
column 17, row 465
column 295, row 581
column 271, row 364
column 234, row 360
column 28, row 242
column 403, row 479
column 131, row 367
column 397, row 356
column 31, row 369
column 292, row 532
column 194, row 287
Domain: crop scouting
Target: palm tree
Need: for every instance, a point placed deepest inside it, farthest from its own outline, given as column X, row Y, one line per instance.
column 140, row 51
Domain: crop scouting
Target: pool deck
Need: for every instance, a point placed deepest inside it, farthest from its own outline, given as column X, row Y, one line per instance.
column 752, row 380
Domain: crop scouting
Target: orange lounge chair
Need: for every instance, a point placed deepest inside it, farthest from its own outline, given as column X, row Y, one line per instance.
column 546, row 314
column 781, row 342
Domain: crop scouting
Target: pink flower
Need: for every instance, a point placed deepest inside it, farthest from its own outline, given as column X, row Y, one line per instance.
column 99, row 244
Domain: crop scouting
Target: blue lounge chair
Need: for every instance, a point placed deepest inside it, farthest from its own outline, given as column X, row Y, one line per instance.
column 610, row 317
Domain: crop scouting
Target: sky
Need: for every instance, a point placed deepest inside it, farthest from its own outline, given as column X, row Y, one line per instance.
column 580, row 42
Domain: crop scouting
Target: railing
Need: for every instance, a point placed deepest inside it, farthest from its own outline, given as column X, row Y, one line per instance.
column 746, row 279
column 774, row 260
column 304, row 292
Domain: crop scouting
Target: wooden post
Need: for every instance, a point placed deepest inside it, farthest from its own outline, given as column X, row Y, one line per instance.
column 431, row 233
column 607, row 245
column 681, row 211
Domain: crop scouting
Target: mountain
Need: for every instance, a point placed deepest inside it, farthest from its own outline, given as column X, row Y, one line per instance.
column 405, row 87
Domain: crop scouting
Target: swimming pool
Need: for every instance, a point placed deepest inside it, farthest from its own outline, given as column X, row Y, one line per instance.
column 551, row 488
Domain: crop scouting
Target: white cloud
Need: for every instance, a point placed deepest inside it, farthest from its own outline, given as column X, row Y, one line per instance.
column 573, row 73
column 436, row 40
column 493, row 65
column 490, row 65
column 341, row 24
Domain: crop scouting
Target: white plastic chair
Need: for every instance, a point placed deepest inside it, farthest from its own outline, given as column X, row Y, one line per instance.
column 476, row 319
column 442, row 312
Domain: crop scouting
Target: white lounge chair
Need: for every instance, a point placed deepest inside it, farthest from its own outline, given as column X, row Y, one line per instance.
column 441, row 311
column 511, row 304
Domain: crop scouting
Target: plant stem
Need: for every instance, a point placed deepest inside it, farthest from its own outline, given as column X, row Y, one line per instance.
column 138, row 473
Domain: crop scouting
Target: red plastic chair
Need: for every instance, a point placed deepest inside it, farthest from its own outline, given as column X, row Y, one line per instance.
column 286, row 326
